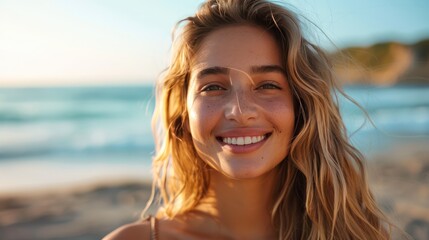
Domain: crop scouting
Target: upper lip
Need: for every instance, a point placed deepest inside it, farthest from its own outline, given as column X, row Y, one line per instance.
column 243, row 132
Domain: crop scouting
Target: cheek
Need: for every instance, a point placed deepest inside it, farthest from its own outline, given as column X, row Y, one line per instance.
column 282, row 115
column 202, row 117
column 202, row 121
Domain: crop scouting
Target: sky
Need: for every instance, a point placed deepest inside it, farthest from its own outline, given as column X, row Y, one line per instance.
column 112, row 42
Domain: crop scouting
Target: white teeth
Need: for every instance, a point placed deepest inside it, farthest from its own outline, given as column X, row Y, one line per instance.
column 243, row 140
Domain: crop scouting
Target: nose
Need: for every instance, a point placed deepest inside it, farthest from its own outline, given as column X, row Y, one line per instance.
column 241, row 107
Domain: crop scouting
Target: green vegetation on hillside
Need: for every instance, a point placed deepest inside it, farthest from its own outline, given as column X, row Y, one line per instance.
column 383, row 63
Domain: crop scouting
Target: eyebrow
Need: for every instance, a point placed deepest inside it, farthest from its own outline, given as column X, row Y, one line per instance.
column 254, row 69
column 268, row 69
column 212, row 71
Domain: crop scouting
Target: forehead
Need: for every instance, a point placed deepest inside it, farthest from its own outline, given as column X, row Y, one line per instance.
column 237, row 47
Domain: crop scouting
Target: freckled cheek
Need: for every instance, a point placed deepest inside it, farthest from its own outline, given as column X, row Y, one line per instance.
column 278, row 105
column 203, row 117
column 282, row 114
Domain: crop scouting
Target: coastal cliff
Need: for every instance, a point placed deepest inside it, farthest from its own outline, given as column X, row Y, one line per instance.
column 383, row 64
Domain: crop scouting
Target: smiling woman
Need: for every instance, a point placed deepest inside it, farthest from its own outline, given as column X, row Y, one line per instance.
column 252, row 145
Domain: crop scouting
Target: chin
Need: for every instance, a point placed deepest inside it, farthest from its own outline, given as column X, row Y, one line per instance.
column 244, row 173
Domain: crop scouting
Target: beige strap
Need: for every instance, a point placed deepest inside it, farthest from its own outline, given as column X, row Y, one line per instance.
column 153, row 228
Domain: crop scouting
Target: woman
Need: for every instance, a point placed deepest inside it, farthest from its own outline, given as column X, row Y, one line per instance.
column 251, row 142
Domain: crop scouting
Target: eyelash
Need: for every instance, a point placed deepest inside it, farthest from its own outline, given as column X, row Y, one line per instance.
column 209, row 88
column 264, row 86
column 270, row 86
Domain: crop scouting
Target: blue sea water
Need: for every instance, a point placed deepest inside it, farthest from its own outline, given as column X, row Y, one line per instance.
column 112, row 124
column 395, row 115
column 75, row 121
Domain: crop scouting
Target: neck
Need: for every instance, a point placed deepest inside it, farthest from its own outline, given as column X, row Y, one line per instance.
column 242, row 208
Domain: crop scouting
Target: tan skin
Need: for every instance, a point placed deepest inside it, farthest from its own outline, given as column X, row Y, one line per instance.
column 240, row 194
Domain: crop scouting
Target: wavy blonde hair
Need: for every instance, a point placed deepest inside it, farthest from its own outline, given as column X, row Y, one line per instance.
column 322, row 192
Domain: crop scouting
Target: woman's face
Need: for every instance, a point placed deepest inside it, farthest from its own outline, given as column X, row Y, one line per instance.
column 241, row 114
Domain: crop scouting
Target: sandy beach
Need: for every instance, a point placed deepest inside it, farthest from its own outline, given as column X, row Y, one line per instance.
column 85, row 213
column 399, row 180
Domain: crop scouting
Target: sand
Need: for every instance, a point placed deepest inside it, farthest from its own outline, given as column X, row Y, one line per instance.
column 86, row 213
column 400, row 182
column 399, row 179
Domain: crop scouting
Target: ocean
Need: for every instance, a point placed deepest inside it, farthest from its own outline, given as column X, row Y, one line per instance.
column 74, row 134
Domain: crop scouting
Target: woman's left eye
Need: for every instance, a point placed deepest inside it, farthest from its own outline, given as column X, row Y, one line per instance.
column 269, row 86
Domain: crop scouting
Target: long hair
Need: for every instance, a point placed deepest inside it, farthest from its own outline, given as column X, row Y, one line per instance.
column 322, row 192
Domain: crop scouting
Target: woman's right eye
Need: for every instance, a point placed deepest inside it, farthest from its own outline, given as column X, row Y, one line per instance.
column 210, row 88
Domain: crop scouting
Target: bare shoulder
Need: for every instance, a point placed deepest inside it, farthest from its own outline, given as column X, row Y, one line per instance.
column 133, row 231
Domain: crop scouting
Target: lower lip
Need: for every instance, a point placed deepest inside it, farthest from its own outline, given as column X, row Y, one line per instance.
column 240, row 149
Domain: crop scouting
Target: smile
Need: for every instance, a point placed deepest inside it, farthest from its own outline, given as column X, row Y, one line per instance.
column 243, row 144
column 243, row 140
